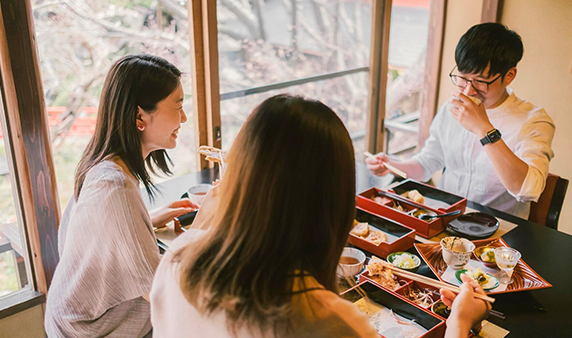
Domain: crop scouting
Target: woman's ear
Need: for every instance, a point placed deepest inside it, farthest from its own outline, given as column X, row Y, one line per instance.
column 140, row 119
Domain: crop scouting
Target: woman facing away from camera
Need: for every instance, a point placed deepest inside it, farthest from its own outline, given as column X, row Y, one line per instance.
column 276, row 226
column 107, row 246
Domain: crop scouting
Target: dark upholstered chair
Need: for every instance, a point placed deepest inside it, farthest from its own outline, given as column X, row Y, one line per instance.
column 547, row 210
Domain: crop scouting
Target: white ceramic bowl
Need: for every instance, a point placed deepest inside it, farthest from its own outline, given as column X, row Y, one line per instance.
column 198, row 192
column 456, row 251
column 350, row 270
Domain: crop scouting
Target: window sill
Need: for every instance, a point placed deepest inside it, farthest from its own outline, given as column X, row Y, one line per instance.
column 20, row 301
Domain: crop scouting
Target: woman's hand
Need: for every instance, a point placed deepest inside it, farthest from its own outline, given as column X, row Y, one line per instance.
column 466, row 310
column 375, row 164
column 160, row 217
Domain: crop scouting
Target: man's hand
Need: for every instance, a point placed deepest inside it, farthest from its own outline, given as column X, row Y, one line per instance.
column 375, row 164
column 160, row 217
column 466, row 310
column 473, row 117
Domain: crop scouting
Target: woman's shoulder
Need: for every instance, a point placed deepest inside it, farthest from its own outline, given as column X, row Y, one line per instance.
column 342, row 317
column 107, row 171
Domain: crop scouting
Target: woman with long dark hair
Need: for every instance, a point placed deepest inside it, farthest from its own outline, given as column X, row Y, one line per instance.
column 276, row 226
column 107, row 246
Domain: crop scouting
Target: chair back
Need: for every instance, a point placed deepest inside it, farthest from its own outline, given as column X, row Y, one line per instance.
column 547, row 210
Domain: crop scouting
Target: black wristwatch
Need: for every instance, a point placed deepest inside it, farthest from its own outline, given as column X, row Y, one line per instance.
column 491, row 137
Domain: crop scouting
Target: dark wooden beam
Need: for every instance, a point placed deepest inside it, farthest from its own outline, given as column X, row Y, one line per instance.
column 378, row 68
column 30, row 152
column 431, row 77
column 492, row 11
column 203, row 33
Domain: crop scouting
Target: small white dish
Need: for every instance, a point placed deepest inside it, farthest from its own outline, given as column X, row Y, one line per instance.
column 351, row 262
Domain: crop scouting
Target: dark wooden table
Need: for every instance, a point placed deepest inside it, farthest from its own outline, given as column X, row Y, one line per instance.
column 537, row 313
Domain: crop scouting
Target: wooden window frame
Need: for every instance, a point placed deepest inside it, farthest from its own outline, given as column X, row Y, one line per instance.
column 27, row 137
column 203, row 32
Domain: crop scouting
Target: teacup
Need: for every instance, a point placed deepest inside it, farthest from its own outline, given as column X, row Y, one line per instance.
column 198, row 193
column 351, row 262
column 456, row 251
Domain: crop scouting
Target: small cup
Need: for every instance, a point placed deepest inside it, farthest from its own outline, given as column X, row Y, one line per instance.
column 456, row 251
column 198, row 193
column 351, row 262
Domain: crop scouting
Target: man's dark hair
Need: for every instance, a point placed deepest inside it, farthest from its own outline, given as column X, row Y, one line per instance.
column 488, row 43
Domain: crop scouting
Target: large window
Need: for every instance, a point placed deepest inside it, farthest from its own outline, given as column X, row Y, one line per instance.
column 407, row 55
column 77, row 42
column 318, row 49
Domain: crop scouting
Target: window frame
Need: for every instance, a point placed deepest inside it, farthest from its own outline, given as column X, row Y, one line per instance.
column 30, row 161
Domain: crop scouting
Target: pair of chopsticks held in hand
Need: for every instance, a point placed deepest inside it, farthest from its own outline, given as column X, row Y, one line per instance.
column 441, row 285
column 388, row 166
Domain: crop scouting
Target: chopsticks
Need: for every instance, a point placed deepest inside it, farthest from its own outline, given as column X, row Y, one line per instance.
column 387, row 165
column 434, row 283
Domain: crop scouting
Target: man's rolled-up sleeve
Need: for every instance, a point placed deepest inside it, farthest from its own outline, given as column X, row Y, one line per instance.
column 535, row 149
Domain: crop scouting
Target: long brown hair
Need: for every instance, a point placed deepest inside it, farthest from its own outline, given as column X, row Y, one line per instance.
column 286, row 208
column 133, row 81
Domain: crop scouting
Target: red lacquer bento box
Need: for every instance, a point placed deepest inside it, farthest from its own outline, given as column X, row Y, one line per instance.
column 435, row 200
column 402, row 309
column 399, row 237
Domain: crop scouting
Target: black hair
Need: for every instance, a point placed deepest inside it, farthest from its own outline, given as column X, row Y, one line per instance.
column 488, row 44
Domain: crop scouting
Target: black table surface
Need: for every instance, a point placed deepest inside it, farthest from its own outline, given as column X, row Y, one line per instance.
column 545, row 312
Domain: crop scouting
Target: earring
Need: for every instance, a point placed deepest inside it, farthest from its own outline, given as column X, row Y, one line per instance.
column 141, row 127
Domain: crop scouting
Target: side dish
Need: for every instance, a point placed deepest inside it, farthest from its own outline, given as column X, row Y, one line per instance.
column 368, row 233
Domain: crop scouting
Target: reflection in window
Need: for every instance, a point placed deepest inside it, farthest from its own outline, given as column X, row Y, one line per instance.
column 268, row 42
column 77, row 42
column 407, row 45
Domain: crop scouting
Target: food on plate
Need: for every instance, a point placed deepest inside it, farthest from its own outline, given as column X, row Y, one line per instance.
column 441, row 309
column 488, row 255
column 404, row 261
column 414, row 195
column 398, row 206
column 478, row 276
column 368, row 233
column 380, row 272
column 420, row 297
column 212, row 154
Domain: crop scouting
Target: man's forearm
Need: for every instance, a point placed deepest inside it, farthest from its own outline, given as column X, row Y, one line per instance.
column 510, row 169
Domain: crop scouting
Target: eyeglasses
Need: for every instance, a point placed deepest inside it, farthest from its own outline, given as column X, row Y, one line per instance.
column 478, row 85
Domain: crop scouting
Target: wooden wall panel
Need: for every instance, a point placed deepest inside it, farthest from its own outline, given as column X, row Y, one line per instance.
column 28, row 133
column 492, row 11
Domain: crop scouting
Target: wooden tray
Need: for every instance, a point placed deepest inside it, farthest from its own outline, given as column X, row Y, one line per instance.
column 435, row 324
column 400, row 238
column 525, row 278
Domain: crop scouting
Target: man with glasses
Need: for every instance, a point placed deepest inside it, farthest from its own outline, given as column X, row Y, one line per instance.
column 493, row 146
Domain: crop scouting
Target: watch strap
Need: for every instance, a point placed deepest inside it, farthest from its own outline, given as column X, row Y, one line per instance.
column 491, row 137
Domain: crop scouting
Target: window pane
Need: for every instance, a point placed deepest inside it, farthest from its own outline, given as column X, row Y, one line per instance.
column 407, row 45
column 264, row 43
column 349, row 105
column 78, row 41
column 13, row 258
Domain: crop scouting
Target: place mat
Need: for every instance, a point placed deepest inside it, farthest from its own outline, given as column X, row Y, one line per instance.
column 504, row 227
column 525, row 278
